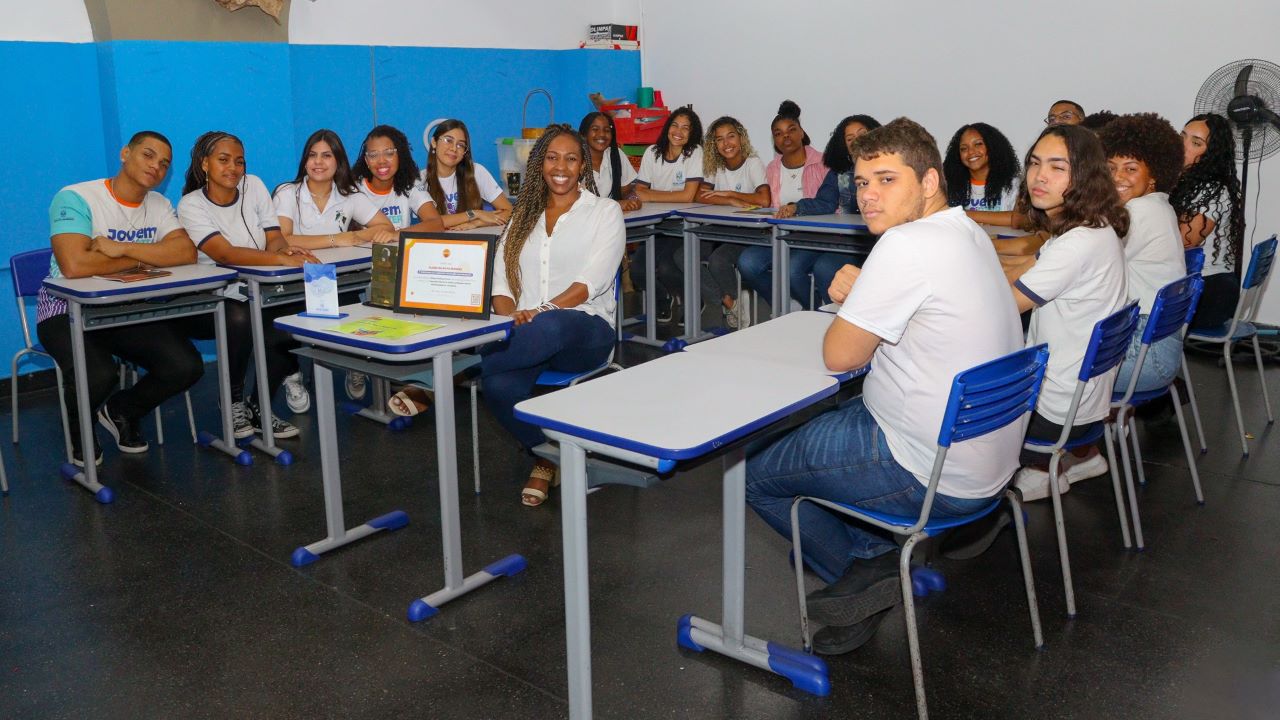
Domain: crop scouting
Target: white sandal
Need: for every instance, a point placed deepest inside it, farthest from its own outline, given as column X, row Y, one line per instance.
column 405, row 406
column 533, row 497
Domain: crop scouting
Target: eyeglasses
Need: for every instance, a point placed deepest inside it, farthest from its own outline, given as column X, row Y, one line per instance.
column 459, row 145
column 1063, row 117
column 372, row 155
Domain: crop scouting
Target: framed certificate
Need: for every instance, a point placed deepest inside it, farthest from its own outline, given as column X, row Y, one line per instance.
column 445, row 273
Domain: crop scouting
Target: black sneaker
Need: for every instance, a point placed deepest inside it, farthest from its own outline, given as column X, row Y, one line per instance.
column 127, row 433
column 868, row 587
column 77, row 458
column 835, row 640
column 279, row 428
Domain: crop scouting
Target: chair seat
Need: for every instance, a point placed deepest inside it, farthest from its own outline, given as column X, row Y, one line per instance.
column 557, row 378
column 1143, row 397
column 1093, row 435
column 935, row 525
column 1219, row 334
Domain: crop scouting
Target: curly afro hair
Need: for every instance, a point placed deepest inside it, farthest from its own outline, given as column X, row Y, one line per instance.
column 1149, row 138
column 1002, row 173
column 1097, row 121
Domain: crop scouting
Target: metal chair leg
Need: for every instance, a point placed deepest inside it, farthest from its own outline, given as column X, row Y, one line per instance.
column 913, row 636
column 1132, row 430
column 1064, row 557
column 1024, row 553
column 62, row 411
column 1195, row 410
column 1235, row 397
column 1128, row 480
column 191, row 417
column 1115, row 482
column 1262, row 380
column 798, row 561
column 1186, row 445
column 475, row 439
column 13, row 392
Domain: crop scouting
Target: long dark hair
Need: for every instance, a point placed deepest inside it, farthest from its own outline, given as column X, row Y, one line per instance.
column 406, row 172
column 695, row 134
column 195, row 177
column 1002, row 165
column 836, row 155
column 468, row 192
column 1200, row 189
column 614, row 159
column 343, row 180
column 788, row 110
column 1091, row 199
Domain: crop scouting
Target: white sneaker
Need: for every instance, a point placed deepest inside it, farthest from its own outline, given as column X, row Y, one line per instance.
column 795, row 305
column 732, row 316
column 295, row 393
column 1034, row 484
column 744, row 309
column 356, row 382
column 1091, row 467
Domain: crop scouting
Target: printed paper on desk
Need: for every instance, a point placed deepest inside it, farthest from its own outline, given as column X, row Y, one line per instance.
column 320, row 281
column 445, row 274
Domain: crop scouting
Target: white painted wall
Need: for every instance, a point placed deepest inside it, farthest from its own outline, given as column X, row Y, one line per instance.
column 45, row 21
column 945, row 63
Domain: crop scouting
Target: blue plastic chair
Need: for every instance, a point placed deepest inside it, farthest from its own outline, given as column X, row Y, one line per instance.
column 1107, row 348
column 1174, row 305
column 28, row 270
column 1241, row 327
column 556, row 378
column 983, row 399
column 1194, row 258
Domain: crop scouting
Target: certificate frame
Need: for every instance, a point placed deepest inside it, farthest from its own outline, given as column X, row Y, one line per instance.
column 410, row 240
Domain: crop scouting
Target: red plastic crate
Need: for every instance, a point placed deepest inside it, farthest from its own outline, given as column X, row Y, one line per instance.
column 642, row 127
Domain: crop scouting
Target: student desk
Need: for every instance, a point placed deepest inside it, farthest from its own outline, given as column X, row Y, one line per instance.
column 719, row 223
column 679, row 407
column 396, row 359
column 94, row 304
column 793, row 341
column 276, row 284
column 642, row 227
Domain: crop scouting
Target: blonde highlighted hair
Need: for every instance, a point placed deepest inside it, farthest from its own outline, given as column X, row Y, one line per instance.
column 711, row 159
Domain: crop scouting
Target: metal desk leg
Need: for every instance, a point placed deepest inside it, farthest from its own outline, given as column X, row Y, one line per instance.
column 226, row 443
column 692, row 292
column 577, row 588
column 455, row 585
column 782, row 275
column 268, row 442
column 805, row 671
column 650, row 294
column 331, row 475
column 88, row 476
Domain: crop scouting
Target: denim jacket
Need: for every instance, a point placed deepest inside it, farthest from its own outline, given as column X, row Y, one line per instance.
column 836, row 195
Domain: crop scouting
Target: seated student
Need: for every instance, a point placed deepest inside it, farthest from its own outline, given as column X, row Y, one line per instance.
column 795, row 173
column 554, row 274
column 105, row 226
column 928, row 303
column 318, row 208
column 836, row 195
column 733, row 175
column 232, row 216
column 1065, row 112
column 387, row 175
column 982, row 174
column 458, row 185
column 614, row 175
column 670, row 171
column 1077, row 279
column 1211, row 214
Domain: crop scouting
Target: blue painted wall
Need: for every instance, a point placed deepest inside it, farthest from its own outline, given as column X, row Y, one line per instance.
column 80, row 102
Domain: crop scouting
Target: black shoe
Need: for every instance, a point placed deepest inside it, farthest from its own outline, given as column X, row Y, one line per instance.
column 869, row 587
column 77, row 458
column 127, row 433
column 833, row 640
column 279, row 428
column 969, row 541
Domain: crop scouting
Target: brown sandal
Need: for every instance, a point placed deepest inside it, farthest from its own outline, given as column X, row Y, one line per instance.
column 532, row 496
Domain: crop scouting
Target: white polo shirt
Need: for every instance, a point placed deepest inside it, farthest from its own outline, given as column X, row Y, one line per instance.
column 934, row 292
column 662, row 176
column 243, row 223
column 604, row 176
column 1078, row 279
column 585, row 247
column 399, row 209
column 746, row 179
column 294, row 201
column 1153, row 254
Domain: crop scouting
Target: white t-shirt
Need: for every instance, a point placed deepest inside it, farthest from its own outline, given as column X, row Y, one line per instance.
column 1004, row 203
column 934, row 292
column 585, row 247
column 664, row 176
column 1078, row 279
column 1153, row 254
column 399, row 209
column 746, row 179
column 791, row 184
column 1218, row 214
column 244, row 223
column 489, row 188
column 294, row 201
column 604, row 176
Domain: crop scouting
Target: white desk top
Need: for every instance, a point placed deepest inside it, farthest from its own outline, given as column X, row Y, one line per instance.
column 793, row 341
column 677, row 407
column 494, row 230
column 844, row 223
column 725, row 214
column 182, row 279
column 318, row 331
column 354, row 257
column 655, row 212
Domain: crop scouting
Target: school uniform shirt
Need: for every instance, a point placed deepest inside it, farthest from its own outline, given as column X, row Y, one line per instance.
column 1153, row 254
column 585, row 247
column 294, row 201
column 791, row 187
column 604, row 176
column 1078, row 279
column 243, row 223
column 934, row 292
column 399, row 208
column 662, row 176
column 92, row 209
column 489, row 188
column 1002, row 203
column 746, row 179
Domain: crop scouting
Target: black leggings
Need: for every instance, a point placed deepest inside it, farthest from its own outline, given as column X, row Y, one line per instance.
column 281, row 363
column 1217, row 301
column 1043, row 429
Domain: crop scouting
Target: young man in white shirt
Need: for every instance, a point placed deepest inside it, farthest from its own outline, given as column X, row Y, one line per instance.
column 929, row 302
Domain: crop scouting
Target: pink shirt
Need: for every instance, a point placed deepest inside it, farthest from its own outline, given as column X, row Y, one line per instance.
column 810, row 181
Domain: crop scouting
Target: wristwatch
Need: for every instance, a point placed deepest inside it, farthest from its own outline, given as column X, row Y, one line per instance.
column 471, row 214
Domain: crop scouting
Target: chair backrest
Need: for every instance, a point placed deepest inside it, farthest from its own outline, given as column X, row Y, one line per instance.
column 988, row 397
column 1194, row 258
column 1174, row 305
column 1109, row 342
column 1264, row 253
column 29, row 269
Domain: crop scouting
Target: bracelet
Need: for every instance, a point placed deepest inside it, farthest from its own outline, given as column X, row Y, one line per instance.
column 547, row 307
column 332, row 242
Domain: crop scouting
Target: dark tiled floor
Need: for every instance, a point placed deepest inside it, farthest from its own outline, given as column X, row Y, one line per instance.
column 179, row 600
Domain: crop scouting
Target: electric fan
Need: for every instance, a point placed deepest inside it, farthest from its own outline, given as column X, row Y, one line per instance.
column 1247, row 92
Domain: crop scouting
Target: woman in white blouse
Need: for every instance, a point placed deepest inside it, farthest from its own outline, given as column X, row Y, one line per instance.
column 554, row 274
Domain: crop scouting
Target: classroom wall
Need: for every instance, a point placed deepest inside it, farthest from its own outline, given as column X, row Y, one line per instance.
column 945, row 64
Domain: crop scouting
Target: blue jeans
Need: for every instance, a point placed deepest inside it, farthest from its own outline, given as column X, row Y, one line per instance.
column 755, row 265
column 840, row 456
column 1158, row 368
column 564, row 340
column 825, row 269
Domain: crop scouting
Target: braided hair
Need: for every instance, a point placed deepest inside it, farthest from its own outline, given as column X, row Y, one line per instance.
column 1002, row 166
column 614, row 155
column 532, row 202
column 1201, row 190
column 195, row 177
column 406, row 169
